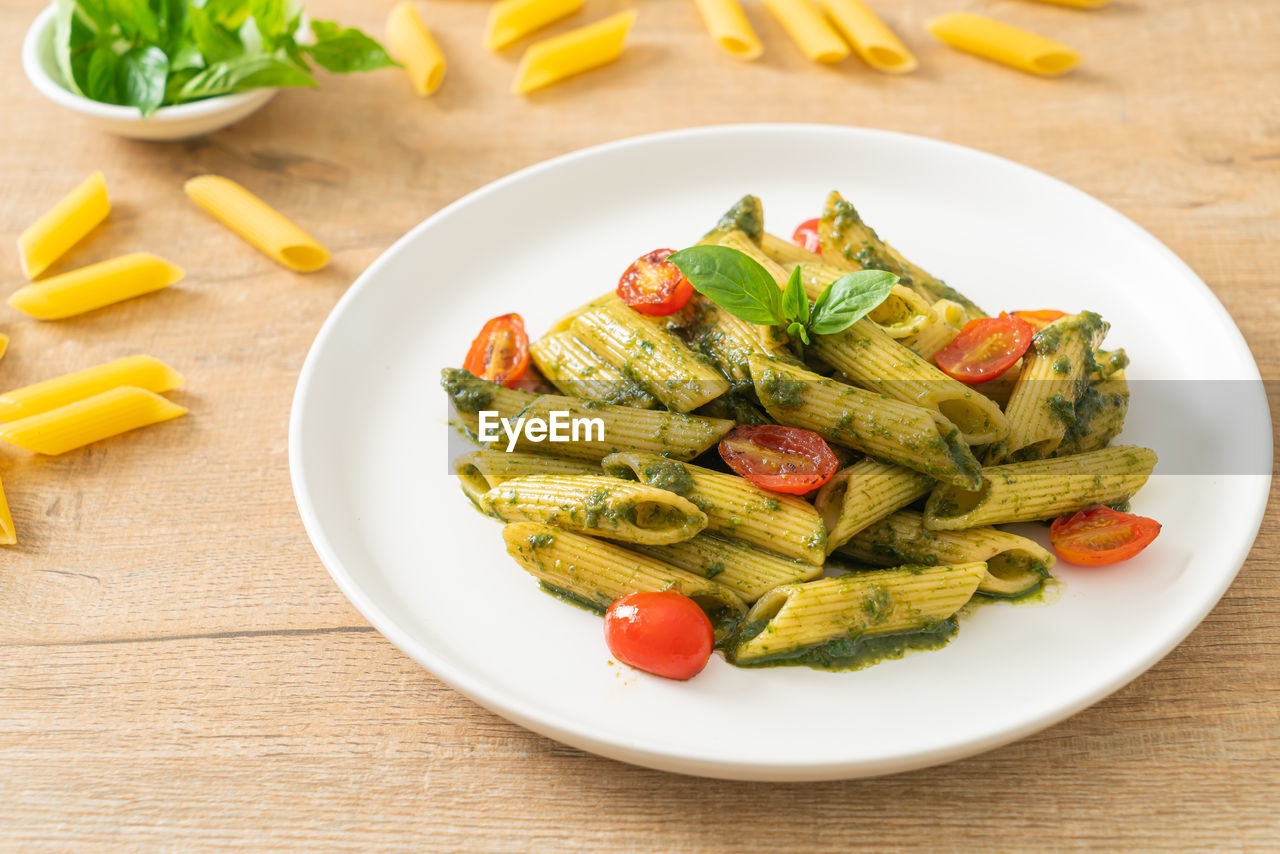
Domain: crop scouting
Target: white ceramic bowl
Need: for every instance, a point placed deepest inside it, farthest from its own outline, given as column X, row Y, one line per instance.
column 180, row 122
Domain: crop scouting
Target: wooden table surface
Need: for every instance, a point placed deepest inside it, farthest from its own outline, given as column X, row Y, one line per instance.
column 178, row 669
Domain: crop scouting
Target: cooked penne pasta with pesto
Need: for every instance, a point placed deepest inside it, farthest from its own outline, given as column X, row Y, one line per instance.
column 795, row 452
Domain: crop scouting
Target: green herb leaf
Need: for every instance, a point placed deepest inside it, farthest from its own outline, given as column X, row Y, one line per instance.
column 733, row 281
column 344, row 50
column 795, row 303
column 100, row 77
column 797, row 332
column 140, row 78
column 241, row 74
column 848, row 299
column 214, row 43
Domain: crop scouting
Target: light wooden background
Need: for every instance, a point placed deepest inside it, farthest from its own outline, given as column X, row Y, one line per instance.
column 178, row 671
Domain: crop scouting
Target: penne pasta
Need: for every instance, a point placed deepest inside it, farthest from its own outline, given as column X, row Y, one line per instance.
column 90, row 420
column 4, row 344
column 1003, row 43
column 890, row 430
column 512, row 20
column 945, row 320
column 625, row 428
column 64, row 225
column 849, row 242
column 95, row 286
column 871, row 39
column 1078, row 4
column 787, row 253
column 1098, row 415
column 577, row 370
column 809, row 30
column 257, row 222
column 497, row 467
column 829, row 620
column 412, row 45
column 595, row 574
column 142, row 372
column 597, row 505
column 8, row 534
column 863, row 494
column 729, row 28
column 654, row 359
column 552, row 60
column 746, row 570
column 1016, row 566
column 902, row 314
column 1055, row 371
column 870, row 358
column 782, row 524
column 1041, row 489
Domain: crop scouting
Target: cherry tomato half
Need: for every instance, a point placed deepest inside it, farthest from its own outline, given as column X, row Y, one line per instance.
column 1099, row 535
column 654, row 286
column 807, row 235
column 500, row 352
column 779, row 459
column 663, row 633
column 1040, row 319
column 985, row 348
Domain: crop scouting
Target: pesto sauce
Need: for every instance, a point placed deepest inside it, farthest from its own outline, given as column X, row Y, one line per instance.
column 852, row 653
column 747, row 216
column 469, row 392
column 573, row 598
column 776, row 390
column 669, row 475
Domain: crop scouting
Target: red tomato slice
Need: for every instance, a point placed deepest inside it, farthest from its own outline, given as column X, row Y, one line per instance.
column 654, row 286
column 1039, row 319
column 663, row 633
column 807, row 235
column 985, row 348
column 779, row 459
column 500, row 352
column 1099, row 535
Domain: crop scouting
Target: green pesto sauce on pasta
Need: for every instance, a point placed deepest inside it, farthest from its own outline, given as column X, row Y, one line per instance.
column 853, row 652
column 469, row 393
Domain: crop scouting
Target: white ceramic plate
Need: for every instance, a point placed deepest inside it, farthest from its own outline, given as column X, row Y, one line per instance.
column 369, row 462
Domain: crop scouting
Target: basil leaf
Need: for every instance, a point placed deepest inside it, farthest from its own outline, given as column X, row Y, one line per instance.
column 140, row 78
column 733, row 281
column 797, row 331
column 848, row 299
column 77, row 30
column 172, row 18
column 795, row 303
column 100, row 76
column 269, row 15
column 135, row 19
column 214, row 43
column 185, row 57
column 242, row 73
column 344, row 50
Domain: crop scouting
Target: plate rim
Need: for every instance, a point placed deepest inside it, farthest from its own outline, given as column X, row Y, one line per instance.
column 493, row 699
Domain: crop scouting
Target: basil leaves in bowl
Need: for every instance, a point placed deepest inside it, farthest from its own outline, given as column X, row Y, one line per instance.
column 170, row 69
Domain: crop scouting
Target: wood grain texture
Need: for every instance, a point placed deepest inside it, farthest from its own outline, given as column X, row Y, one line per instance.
column 178, row 671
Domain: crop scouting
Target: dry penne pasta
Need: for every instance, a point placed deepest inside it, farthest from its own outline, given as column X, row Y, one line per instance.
column 512, row 20
column 729, row 28
column 1003, row 43
column 8, row 534
column 4, row 344
column 871, row 39
column 809, row 30
column 95, row 286
column 595, row 574
column 412, row 45
column 144, row 372
column 64, row 225
column 257, row 222
column 90, row 420
column 598, row 505
column 552, row 60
